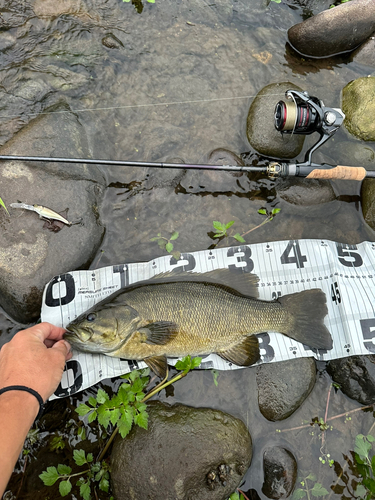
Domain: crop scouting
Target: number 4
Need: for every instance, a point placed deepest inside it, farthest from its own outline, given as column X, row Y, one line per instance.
column 335, row 293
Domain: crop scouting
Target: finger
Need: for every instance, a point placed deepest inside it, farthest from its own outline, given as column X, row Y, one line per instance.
column 48, row 331
column 64, row 347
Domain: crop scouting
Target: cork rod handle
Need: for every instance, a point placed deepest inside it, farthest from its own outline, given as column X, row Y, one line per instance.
column 339, row 172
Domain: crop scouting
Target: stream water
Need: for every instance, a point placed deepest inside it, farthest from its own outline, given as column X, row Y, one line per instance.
column 174, row 80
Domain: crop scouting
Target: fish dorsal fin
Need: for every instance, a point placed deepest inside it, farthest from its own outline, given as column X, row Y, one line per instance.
column 159, row 333
column 242, row 283
column 245, row 353
column 158, row 364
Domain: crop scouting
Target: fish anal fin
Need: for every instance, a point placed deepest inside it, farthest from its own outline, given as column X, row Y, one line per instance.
column 159, row 333
column 245, row 353
column 158, row 364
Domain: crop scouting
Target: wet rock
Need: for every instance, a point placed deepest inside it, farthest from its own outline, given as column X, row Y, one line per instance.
column 30, row 254
column 365, row 54
column 282, row 387
column 307, row 196
column 112, row 42
column 261, row 131
column 368, row 201
column 336, row 30
column 356, row 376
column 186, row 453
column 280, row 472
column 358, row 104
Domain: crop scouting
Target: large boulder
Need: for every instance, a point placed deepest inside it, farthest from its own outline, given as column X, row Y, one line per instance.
column 358, row 104
column 31, row 253
column 334, row 31
column 284, row 386
column 356, row 377
column 365, row 54
column 186, row 454
column 261, row 131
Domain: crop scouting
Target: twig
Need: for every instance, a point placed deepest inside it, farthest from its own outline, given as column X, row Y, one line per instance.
column 243, row 494
column 326, row 413
column 269, row 217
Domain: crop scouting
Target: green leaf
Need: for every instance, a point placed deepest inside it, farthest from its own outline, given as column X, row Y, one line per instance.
column 3, row 205
column 79, row 457
column 218, row 225
column 362, row 446
column 318, row 490
column 64, row 470
column 90, row 457
column 104, row 416
column 219, row 235
column 102, row 396
column 140, row 406
column 115, row 415
column 64, row 488
column 195, row 362
column 49, row 476
column 153, row 1
column 156, row 237
column 275, row 211
column 104, row 483
column 370, row 438
column 92, row 416
column 85, row 491
column 169, row 247
column 183, row 364
column 175, row 234
column 311, row 477
column 92, row 401
column 298, row 493
column 239, row 238
column 373, row 465
column 227, row 226
column 141, row 419
column 83, row 410
column 262, row 211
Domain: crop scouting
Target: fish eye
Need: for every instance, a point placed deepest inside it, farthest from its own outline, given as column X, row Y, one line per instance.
column 91, row 317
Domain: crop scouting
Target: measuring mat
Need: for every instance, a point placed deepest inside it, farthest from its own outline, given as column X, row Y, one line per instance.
column 344, row 272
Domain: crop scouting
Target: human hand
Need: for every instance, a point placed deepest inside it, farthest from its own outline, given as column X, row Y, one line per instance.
column 35, row 357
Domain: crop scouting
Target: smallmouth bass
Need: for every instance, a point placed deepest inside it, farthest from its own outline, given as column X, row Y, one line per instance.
column 175, row 315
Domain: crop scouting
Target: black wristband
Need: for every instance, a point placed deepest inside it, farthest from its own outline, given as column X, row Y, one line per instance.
column 30, row 391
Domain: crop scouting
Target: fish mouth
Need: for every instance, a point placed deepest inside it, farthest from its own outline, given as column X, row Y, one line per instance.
column 81, row 338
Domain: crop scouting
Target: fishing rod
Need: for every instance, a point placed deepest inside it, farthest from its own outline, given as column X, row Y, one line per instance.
column 297, row 114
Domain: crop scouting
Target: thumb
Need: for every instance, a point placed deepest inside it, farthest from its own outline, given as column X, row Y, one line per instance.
column 64, row 347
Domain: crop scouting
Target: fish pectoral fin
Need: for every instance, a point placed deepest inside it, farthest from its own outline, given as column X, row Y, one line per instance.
column 158, row 364
column 245, row 353
column 159, row 333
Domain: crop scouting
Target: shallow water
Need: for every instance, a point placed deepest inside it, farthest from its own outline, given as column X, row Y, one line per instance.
column 175, row 82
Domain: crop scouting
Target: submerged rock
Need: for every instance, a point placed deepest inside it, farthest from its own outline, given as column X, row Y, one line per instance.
column 280, row 472
column 261, row 131
column 334, row 31
column 358, row 104
column 284, row 386
column 186, row 454
column 356, row 377
column 30, row 254
column 365, row 54
column 368, row 201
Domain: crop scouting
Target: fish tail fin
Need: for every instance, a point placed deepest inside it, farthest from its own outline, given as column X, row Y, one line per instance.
column 307, row 310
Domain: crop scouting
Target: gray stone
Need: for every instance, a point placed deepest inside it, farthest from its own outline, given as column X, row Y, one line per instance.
column 365, row 54
column 356, row 376
column 261, row 131
column 30, row 254
column 186, row 454
column 334, row 31
column 280, row 472
column 358, row 104
column 368, row 201
column 282, row 387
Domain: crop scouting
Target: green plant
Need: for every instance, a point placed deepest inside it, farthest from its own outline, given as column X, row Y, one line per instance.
column 3, row 205
column 306, row 490
column 166, row 243
column 57, row 443
column 221, row 231
column 236, row 496
column 362, row 467
column 125, row 409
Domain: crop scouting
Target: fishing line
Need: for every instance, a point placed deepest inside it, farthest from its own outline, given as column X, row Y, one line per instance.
column 130, row 106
